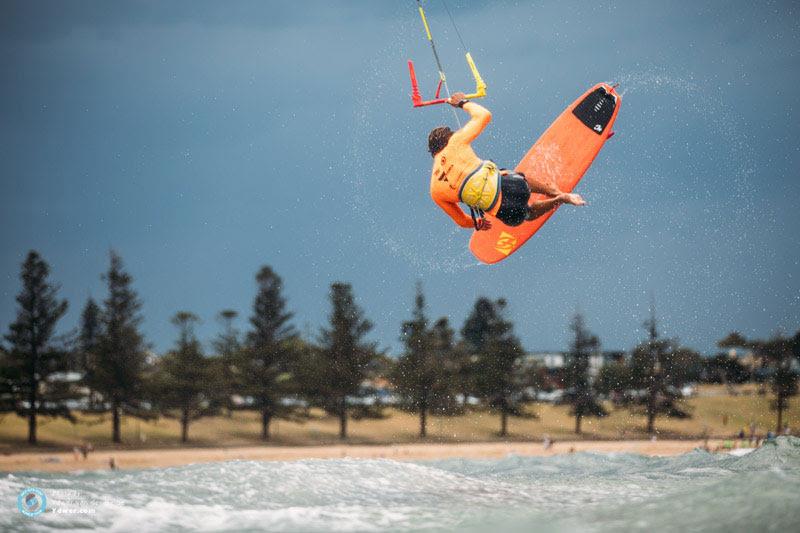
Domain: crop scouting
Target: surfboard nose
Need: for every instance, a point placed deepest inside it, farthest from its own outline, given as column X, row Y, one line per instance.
column 597, row 108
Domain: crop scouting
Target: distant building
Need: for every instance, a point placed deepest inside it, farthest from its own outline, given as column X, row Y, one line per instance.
column 554, row 362
column 548, row 360
column 65, row 377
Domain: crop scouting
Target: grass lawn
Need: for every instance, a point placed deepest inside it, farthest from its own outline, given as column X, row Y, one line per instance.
column 715, row 412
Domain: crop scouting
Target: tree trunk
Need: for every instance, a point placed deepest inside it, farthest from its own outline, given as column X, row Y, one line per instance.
column 578, row 418
column 266, row 417
column 185, row 425
column 32, row 413
column 503, row 421
column 115, row 423
column 780, row 416
column 423, row 422
column 343, row 419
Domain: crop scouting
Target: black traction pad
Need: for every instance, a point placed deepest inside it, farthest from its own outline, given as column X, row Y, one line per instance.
column 596, row 110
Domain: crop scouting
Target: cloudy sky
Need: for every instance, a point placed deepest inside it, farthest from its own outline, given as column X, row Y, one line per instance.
column 204, row 139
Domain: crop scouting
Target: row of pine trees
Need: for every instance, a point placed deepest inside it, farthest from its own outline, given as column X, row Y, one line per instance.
column 269, row 366
column 273, row 370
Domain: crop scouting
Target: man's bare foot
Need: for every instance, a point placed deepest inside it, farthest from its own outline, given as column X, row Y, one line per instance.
column 570, row 198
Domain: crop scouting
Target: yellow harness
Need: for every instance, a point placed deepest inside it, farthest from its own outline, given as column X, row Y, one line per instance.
column 481, row 187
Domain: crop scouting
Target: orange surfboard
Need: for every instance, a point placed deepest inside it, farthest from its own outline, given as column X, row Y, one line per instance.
column 564, row 152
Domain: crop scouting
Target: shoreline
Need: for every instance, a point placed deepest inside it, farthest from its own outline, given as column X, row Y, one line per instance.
column 60, row 461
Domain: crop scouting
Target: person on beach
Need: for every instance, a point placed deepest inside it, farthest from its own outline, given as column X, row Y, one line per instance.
column 460, row 176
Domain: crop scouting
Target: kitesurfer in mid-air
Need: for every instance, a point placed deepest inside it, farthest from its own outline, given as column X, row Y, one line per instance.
column 459, row 175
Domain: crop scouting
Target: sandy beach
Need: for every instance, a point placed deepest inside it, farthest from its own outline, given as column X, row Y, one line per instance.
column 159, row 458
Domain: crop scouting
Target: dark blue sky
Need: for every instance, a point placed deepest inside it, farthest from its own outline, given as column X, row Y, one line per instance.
column 204, row 139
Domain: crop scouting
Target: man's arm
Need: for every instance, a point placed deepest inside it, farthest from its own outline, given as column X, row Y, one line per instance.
column 455, row 212
column 461, row 218
column 479, row 119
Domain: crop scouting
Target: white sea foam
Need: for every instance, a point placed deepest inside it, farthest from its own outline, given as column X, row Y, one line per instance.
column 594, row 492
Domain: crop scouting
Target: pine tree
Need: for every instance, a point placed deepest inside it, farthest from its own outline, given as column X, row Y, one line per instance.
column 734, row 339
column 447, row 361
column 418, row 371
column 90, row 329
column 614, row 380
column 9, row 382
column 187, row 390
column 463, row 370
column 266, row 362
column 33, row 358
column 580, row 390
column 228, row 348
column 660, row 367
column 778, row 351
column 490, row 338
column 118, row 366
column 344, row 354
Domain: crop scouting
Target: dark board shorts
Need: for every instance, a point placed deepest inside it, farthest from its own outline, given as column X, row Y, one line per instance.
column 514, row 199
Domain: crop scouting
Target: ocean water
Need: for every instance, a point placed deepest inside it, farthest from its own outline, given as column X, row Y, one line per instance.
column 698, row 491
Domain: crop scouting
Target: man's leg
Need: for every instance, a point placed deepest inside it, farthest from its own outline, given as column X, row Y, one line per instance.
column 543, row 185
column 537, row 209
column 549, row 187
